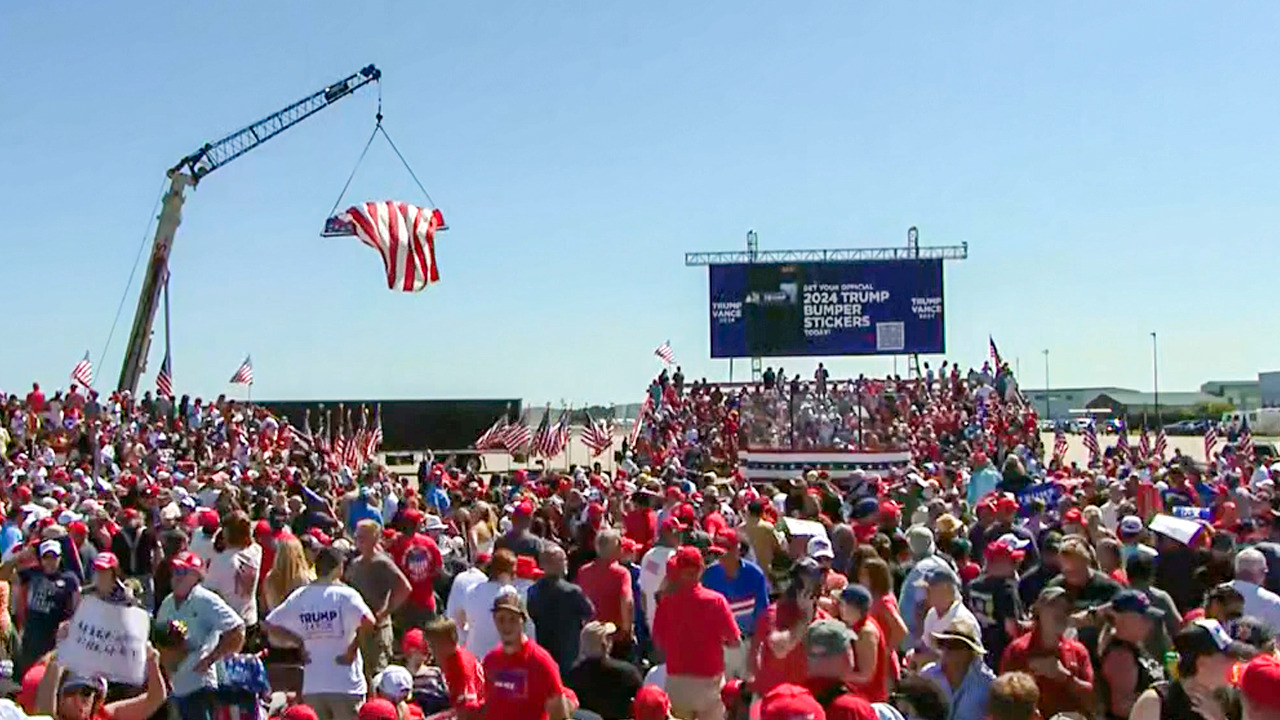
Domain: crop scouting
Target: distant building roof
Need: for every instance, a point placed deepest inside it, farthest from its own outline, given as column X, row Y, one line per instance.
column 1131, row 398
column 1090, row 391
column 1216, row 386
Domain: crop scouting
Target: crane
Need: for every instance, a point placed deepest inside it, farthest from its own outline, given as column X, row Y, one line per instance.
column 188, row 172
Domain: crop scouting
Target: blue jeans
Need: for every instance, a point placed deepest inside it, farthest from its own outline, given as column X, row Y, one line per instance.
column 196, row 706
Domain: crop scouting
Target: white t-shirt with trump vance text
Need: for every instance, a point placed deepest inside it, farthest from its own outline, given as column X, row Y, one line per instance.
column 326, row 617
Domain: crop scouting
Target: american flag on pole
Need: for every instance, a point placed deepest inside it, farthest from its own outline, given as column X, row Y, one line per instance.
column 646, row 407
column 164, row 380
column 405, row 236
column 1162, row 444
column 516, row 436
column 492, row 438
column 1210, row 441
column 1122, row 440
column 1091, row 442
column 597, row 435
column 373, row 440
column 561, row 438
column 303, row 438
column 544, row 439
column 995, row 354
column 83, row 371
column 1244, row 445
column 1144, row 444
column 1059, row 443
column 665, row 352
column 243, row 374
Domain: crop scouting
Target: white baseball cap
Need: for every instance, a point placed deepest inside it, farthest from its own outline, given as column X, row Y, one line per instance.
column 395, row 683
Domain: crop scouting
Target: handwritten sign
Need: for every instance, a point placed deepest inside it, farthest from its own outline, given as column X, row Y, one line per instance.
column 106, row 640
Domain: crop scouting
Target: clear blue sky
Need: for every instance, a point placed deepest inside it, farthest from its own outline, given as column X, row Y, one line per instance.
column 1112, row 166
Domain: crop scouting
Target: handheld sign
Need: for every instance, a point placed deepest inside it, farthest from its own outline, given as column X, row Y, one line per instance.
column 1190, row 512
column 106, row 640
column 1180, row 529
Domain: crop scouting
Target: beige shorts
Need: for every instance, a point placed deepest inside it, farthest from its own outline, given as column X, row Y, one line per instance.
column 695, row 698
column 735, row 660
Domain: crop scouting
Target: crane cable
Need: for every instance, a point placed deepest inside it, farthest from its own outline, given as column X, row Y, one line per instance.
column 142, row 245
column 378, row 128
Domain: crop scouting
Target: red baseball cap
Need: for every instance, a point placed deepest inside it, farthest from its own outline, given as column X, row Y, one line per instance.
column 651, row 703
column 1073, row 517
column 527, row 568
column 301, row 711
column 687, row 557
column 629, row 545
column 789, row 702
column 523, row 509
column 674, row 493
column 188, row 560
column 889, row 508
column 106, row 561
column 1001, row 550
column 1260, row 681
column 671, row 524
column 377, row 709
column 414, row 641
column 413, row 516
column 262, row 529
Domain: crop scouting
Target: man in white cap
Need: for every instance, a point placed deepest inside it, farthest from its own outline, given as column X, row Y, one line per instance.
column 47, row 594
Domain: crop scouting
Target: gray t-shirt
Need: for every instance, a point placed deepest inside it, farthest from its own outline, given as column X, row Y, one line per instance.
column 374, row 578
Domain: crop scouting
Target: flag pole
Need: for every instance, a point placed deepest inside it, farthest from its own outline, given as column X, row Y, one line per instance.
column 167, row 347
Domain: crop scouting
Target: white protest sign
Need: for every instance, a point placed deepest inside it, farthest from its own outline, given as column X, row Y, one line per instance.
column 1180, row 529
column 106, row 640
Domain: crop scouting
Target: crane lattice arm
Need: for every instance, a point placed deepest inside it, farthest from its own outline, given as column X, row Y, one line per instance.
column 188, row 172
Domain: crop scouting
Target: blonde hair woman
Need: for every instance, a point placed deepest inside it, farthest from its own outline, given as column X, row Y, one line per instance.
column 290, row 571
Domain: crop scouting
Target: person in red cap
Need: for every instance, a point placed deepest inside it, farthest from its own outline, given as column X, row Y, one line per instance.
column 640, row 523
column 107, row 585
column 993, row 598
column 653, row 567
column 1260, row 688
column 462, row 672
column 607, row 585
column 214, row 631
column 520, row 540
column 651, row 703
column 791, row 702
column 692, row 627
column 377, row 709
column 420, row 559
column 299, row 711
column 743, row 584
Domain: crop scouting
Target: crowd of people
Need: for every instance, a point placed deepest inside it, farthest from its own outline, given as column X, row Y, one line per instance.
column 982, row 580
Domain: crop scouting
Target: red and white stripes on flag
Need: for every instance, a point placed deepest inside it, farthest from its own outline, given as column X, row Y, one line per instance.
column 1244, row 444
column 995, row 354
column 164, row 380
column 1059, row 443
column 1144, row 445
column 1210, row 441
column 374, row 439
column 405, row 236
column 665, row 352
column 243, row 374
column 516, row 436
column 560, row 435
column 597, row 435
column 1091, row 442
column 646, row 407
column 543, row 444
column 1162, row 444
column 492, row 438
column 83, row 371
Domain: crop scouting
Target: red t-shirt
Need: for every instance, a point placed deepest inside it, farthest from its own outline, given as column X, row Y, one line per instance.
column 714, row 524
column 35, row 401
column 421, row 563
column 692, row 626
column 772, row 670
column 465, row 678
column 641, row 525
column 606, row 584
column 1055, row 696
column 518, row 685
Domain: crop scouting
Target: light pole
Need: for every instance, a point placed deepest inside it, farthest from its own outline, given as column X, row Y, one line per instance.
column 1047, row 415
column 1155, row 377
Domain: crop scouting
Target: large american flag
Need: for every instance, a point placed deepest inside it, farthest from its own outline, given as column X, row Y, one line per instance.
column 1162, row 444
column 492, row 438
column 544, row 439
column 1144, row 444
column 373, row 440
column 1059, row 443
column 405, row 236
column 597, row 435
column 83, row 371
column 1122, row 441
column 164, row 380
column 516, row 436
column 995, row 354
column 560, row 434
column 1091, row 442
column 1244, row 445
column 244, row 374
column 646, row 407
column 665, row 352
column 1210, row 441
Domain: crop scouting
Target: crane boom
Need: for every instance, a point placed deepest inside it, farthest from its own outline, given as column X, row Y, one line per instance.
column 187, row 173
